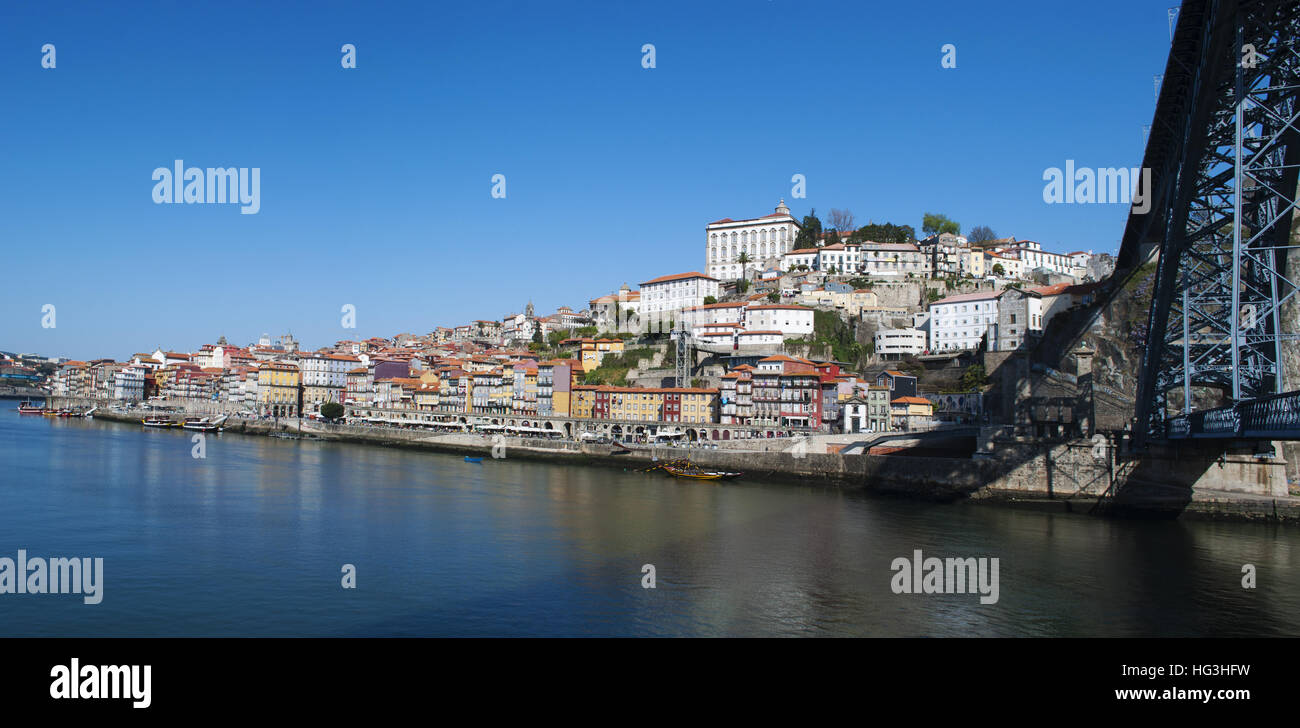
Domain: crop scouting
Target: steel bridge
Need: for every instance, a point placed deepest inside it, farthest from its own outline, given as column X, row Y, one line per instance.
column 1223, row 156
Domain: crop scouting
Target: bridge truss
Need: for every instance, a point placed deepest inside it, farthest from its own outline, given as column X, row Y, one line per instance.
column 1225, row 165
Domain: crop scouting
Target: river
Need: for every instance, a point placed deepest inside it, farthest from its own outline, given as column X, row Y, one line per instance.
column 252, row 539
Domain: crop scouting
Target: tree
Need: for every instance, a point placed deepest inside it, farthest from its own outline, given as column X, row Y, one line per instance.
column 832, row 237
column 331, row 410
column 742, row 285
column 537, row 335
column 936, row 224
column 555, row 337
column 998, row 269
column 884, row 233
column 980, row 234
column 841, row 219
column 811, row 233
column 774, row 297
column 974, row 377
column 709, row 299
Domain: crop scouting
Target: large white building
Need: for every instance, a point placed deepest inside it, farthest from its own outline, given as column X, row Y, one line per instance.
column 762, row 239
column 789, row 320
column 326, row 370
column 747, row 322
column 1034, row 257
column 663, row 297
column 898, row 343
column 896, row 260
column 960, row 322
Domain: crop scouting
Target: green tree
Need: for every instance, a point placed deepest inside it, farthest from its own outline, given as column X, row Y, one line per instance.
column 742, row 285
column 537, row 335
column 936, row 224
column 331, row 410
column 555, row 337
column 810, row 235
column 709, row 299
column 974, row 378
column 998, row 269
column 884, row 233
column 774, row 297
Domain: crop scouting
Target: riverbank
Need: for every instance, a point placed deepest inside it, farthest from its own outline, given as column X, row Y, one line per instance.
column 928, row 478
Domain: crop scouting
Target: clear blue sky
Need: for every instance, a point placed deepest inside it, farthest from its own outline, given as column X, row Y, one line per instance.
column 375, row 182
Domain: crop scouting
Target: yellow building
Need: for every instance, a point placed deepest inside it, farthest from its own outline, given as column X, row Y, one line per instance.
column 690, row 404
column 909, row 413
column 594, row 351
column 583, row 401
column 278, row 387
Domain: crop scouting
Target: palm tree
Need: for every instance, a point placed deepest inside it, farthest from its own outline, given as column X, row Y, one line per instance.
column 743, row 259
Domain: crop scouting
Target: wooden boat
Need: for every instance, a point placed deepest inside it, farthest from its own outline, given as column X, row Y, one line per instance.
column 27, row 408
column 469, row 459
column 684, row 468
column 699, row 474
column 77, row 413
column 157, row 422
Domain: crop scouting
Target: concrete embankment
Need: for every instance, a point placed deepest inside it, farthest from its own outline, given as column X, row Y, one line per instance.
column 926, row 477
column 1066, row 479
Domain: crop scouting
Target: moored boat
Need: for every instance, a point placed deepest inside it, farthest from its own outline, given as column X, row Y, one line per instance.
column 27, row 408
column 203, row 424
column 684, row 468
column 156, row 421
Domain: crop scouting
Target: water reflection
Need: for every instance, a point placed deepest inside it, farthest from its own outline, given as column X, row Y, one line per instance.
column 250, row 541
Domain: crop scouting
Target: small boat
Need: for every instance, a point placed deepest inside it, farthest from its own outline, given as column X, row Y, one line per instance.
column 27, row 408
column 157, row 422
column 469, row 459
column 77, row 413
column 686, row 469
column 203, row 424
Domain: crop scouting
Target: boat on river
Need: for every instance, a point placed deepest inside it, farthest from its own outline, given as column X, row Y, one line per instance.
column 684, row 468
column 27, row 408
column 204, row 424
column 156, row 421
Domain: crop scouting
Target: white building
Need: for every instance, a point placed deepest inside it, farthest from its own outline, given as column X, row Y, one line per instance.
column 763, row 239
column 893, row 260
column 128, row 384
column 787, row 319
column 960, row 322
column 663, row 297
column 326, row 370
column 897, row 343
column 1033, row 257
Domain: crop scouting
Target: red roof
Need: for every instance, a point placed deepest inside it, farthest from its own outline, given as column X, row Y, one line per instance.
column 677, row 277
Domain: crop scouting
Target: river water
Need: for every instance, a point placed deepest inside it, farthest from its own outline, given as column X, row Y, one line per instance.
column 252, row 539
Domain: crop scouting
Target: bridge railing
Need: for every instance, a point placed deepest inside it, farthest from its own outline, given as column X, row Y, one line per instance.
column 1276, row 417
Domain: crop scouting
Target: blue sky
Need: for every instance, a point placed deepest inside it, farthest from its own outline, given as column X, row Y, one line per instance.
column 376, row 181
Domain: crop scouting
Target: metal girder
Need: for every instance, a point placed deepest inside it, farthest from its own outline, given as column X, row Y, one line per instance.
column 1222, row 279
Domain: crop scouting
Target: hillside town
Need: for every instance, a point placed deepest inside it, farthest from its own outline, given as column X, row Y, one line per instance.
column 791, row 328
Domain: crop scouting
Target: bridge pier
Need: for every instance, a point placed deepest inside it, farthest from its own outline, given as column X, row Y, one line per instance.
column 1164, row 478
